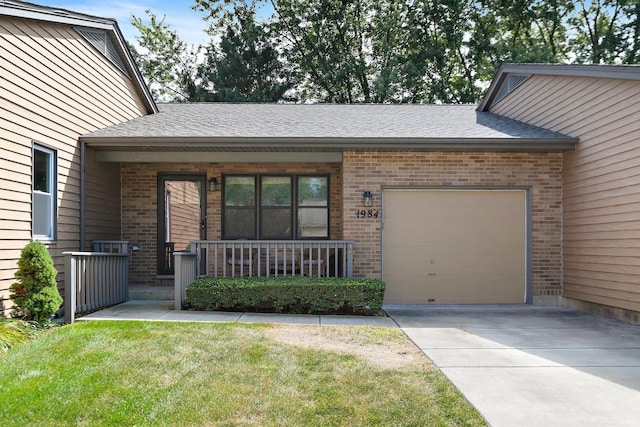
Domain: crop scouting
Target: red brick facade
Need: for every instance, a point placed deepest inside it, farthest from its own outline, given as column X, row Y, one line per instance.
column 541, row 172
column 140, row 204
column 362, row 171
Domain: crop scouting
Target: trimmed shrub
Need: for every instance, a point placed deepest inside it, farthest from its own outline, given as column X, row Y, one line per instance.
column 36, row 292
column 287, row 295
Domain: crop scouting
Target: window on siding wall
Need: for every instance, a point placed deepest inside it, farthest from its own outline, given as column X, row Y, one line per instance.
column 276, row 207
column 44, row 193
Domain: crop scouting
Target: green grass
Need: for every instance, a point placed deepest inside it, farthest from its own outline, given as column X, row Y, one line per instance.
column 198, row 374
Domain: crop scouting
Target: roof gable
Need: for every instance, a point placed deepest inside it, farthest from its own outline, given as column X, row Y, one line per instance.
column 508, row 73
column 118, row 54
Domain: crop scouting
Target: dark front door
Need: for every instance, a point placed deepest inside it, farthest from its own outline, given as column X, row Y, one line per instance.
column 181, row 216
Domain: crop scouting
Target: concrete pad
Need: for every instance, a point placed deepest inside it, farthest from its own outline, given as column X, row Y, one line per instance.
column 533, row 366
column 132, row 310
column 448, row 338
column 546, row 396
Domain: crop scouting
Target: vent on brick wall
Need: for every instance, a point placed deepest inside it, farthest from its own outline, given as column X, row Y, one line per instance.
column 510, row 84
column 100, row 40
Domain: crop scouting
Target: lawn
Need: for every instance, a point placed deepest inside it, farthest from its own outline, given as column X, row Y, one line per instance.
column 148, row 374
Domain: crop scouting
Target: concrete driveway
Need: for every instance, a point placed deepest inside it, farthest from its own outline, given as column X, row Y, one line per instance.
column 533, row 366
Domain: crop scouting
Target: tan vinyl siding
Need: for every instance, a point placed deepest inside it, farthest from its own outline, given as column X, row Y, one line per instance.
column 601, row 232
column 55, row 86
column 102, row 200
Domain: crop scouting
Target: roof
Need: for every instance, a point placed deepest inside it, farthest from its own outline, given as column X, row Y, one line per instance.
column 492, row 96
column 325, row 127
column 20, row 9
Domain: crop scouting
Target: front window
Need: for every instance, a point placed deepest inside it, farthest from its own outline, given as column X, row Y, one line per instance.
column 276, row 207
column 44, row 194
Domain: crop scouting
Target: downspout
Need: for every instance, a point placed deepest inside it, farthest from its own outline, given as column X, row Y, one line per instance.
column 82, row 195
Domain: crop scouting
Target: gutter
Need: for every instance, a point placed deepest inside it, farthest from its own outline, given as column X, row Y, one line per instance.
column 195, row 144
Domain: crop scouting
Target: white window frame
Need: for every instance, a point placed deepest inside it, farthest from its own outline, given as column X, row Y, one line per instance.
column 39, row 198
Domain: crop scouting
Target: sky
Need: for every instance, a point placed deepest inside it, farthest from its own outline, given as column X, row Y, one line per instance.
column 188, row 24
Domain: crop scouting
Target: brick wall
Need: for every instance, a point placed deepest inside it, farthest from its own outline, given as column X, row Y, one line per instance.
column 362, row 171
column 140, row 204
column 541, row 172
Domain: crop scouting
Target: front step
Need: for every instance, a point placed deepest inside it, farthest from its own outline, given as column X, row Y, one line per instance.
column 151, row 292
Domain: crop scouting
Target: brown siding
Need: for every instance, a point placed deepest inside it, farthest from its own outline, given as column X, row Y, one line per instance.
column 140, row 204
column 601, row 180
column 102, row 200
column 55, row 87
column 541, row 172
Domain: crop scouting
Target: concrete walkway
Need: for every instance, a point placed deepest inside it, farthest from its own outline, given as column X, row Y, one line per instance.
column 162, row 310
column 533, row 366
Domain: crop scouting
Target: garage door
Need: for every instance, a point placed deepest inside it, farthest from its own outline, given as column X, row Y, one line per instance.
column 454, row 246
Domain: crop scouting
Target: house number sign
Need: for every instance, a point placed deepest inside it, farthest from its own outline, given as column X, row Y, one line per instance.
column 363, row 214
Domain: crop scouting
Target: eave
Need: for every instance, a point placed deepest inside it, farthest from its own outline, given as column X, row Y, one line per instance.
column 225, row 149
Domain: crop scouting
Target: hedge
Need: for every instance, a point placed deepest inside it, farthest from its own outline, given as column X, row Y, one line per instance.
column 287, row 295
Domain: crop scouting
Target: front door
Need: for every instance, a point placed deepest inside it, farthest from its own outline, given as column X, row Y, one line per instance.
column 181, row 216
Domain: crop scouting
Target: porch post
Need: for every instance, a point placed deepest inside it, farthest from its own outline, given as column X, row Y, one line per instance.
column 69, row 288
column 186, row 265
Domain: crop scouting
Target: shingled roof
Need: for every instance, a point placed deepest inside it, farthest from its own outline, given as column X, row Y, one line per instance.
column 326, row 126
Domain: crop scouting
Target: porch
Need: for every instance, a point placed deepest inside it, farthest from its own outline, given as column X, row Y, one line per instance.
column 94, row 280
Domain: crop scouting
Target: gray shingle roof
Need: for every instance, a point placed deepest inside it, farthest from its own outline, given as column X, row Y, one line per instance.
column 323, row 125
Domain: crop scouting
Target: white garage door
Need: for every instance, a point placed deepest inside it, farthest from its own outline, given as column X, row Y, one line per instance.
column 454, row 246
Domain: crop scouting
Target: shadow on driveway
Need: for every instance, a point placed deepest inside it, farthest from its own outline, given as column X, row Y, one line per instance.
column 526, row 365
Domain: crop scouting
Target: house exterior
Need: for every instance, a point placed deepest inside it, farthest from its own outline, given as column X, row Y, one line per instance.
column 62, row 74
column 601, row 177
column 424, row 165
column 530, row 197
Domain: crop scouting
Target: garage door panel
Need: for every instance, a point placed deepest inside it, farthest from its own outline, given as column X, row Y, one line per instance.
column 438, row 233
column 506, row 259
column 457, row 289
column 460, row 247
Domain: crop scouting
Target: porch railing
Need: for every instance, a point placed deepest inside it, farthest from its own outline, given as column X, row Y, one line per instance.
column 94, row 280
column 274, row 258
column 111, row 246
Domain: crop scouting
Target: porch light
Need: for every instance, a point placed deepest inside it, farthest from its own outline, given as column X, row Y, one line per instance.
column 367, row 198
column 213, row 184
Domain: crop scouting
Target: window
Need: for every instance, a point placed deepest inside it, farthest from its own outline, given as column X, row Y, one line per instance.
column 44, row 193
column 272, row 207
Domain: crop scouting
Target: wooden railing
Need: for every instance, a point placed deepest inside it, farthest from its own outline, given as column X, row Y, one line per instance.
column 230, row 258
column 93, row 280
column 111, row 246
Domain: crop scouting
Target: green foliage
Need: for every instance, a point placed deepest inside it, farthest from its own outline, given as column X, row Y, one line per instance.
column 14, row 332
column 169, row 66
column 35, row 292
column 245, row 66
column 390, row 51
column 287, row 294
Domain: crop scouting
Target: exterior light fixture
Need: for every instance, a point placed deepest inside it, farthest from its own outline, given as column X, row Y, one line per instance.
column 213, row 184
column 367, row 199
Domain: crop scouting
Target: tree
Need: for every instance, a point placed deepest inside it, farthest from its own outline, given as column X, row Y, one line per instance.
column 245, row 66
column 168, row 65
column 381, row 51
column 35, row 292
column 600, row 37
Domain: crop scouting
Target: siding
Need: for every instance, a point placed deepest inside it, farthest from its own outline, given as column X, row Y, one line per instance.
column 601, row 236
column 54, row 86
